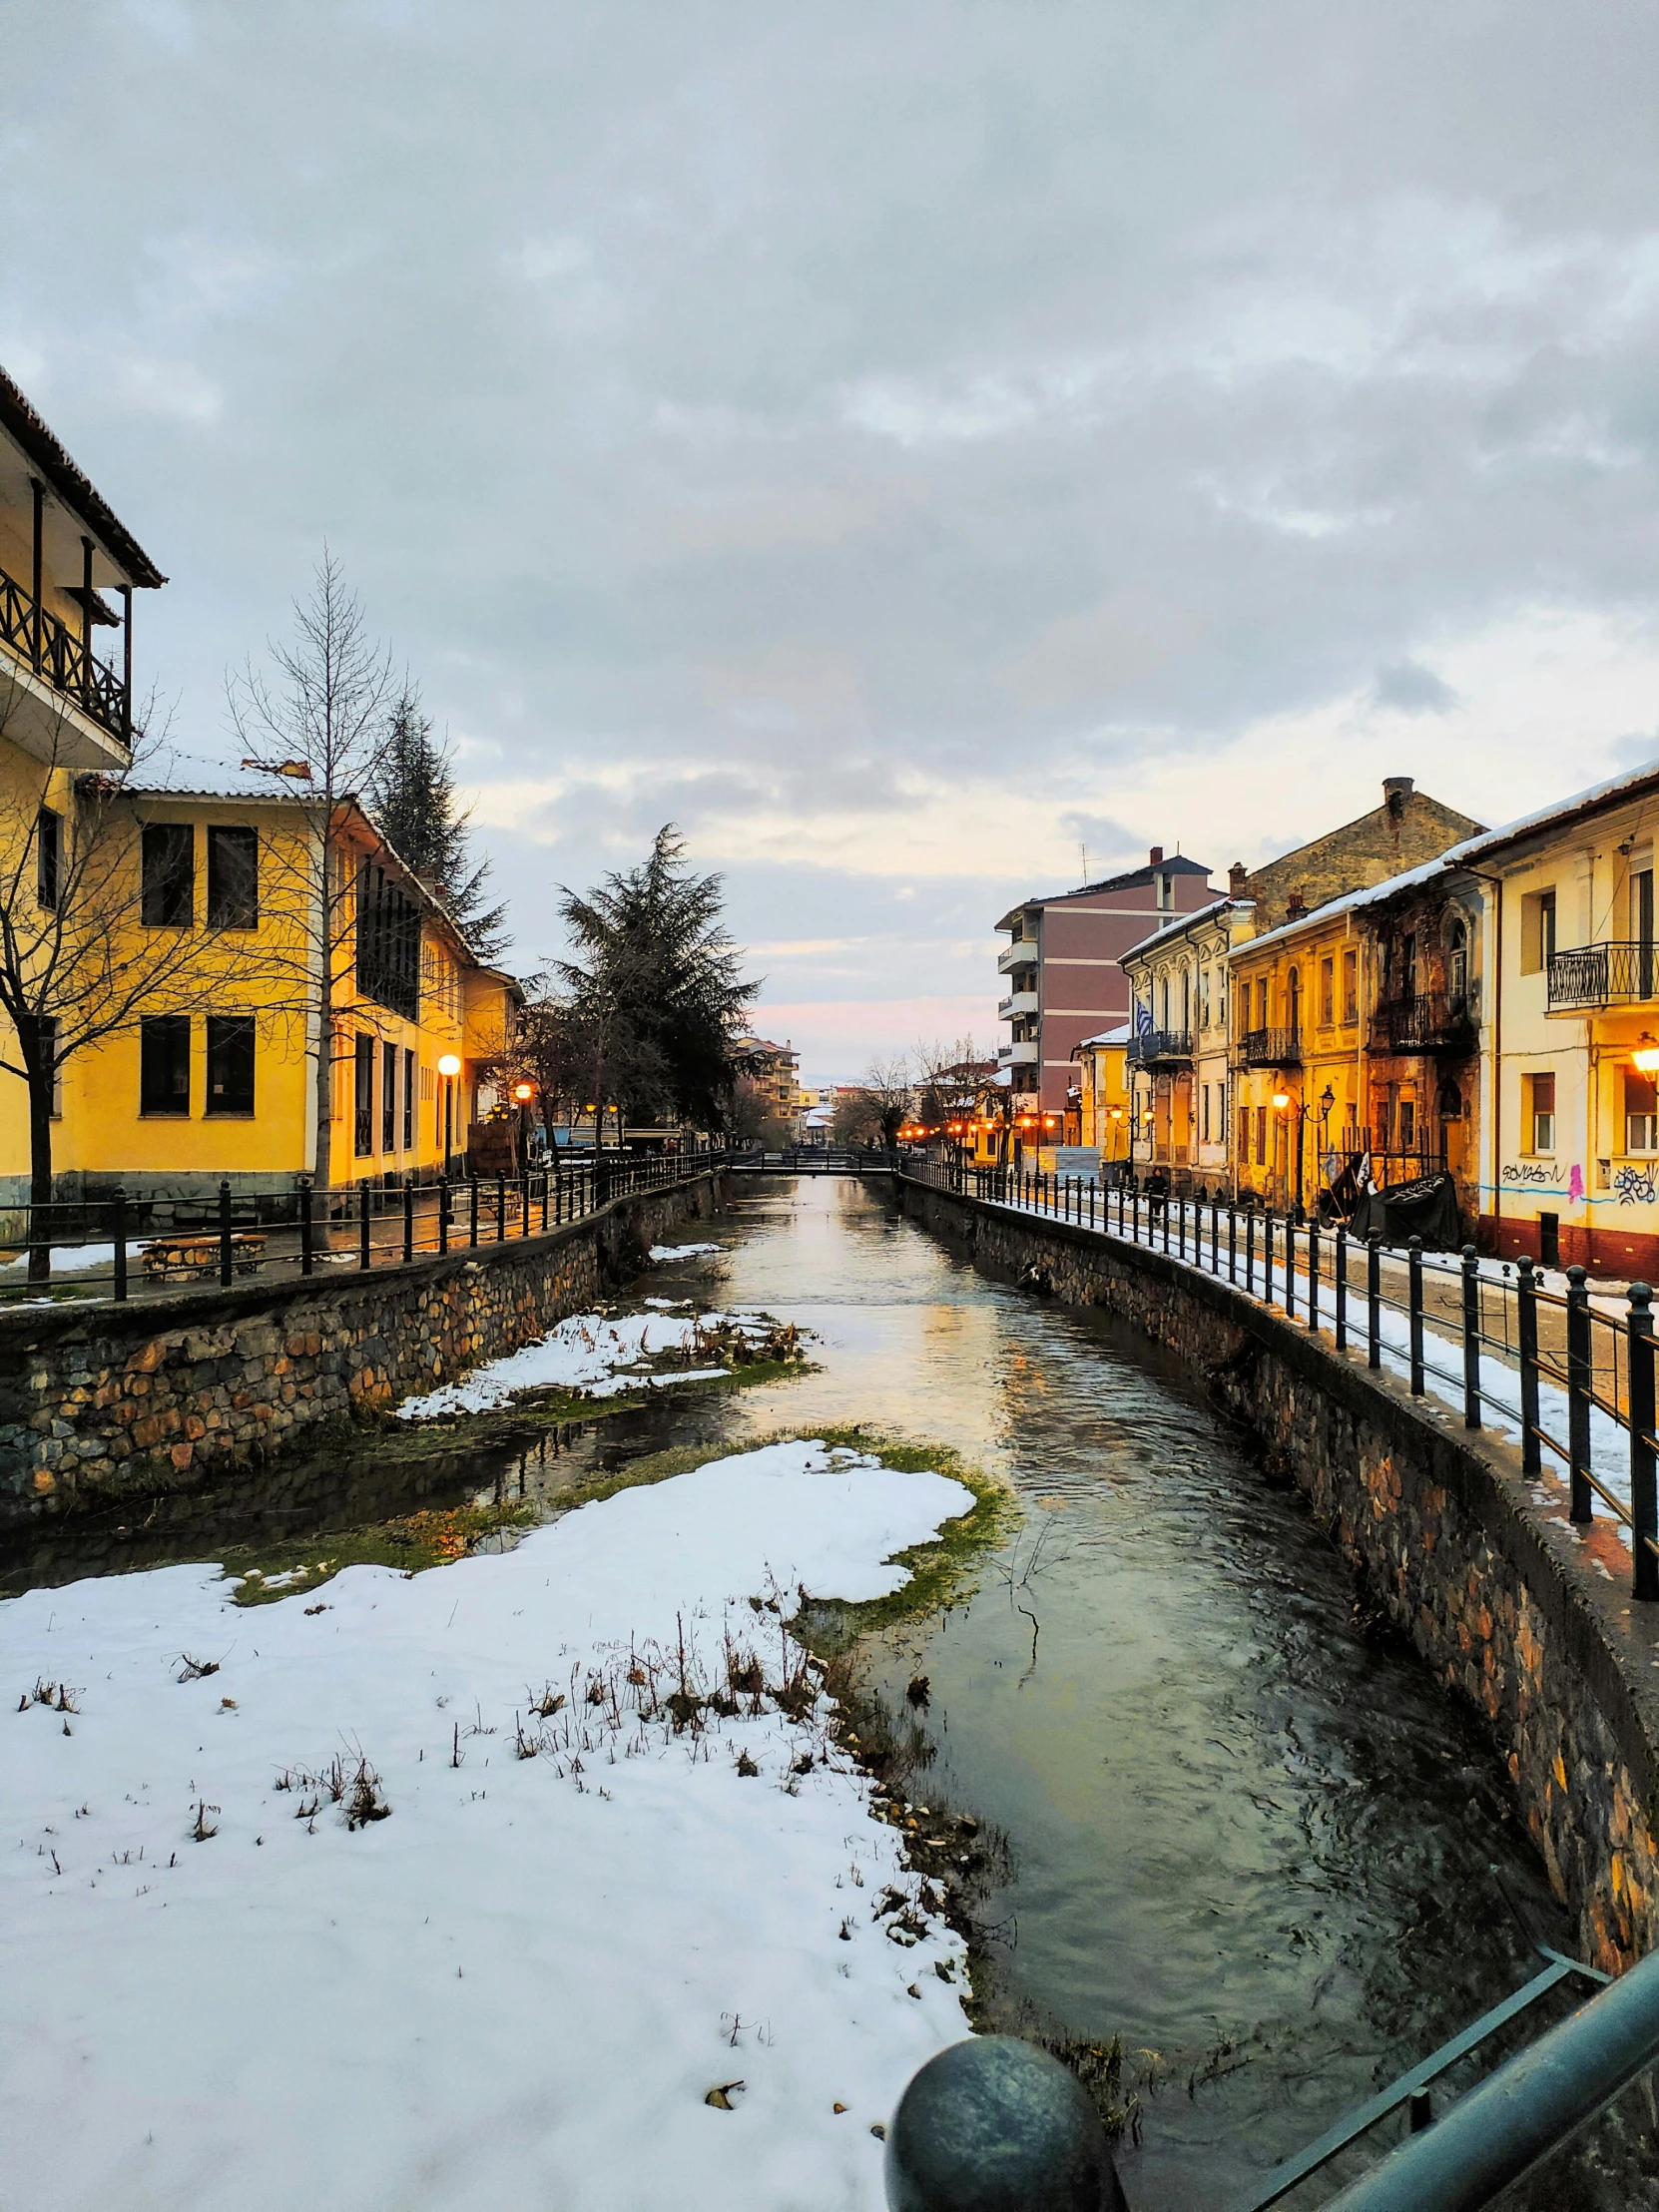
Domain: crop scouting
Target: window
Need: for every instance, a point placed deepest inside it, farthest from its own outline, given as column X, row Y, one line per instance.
column 1384, row 1122
column 389, row 942
column 1539, row 1113
column 1351, row 986
column 1409, row 965
column 168, row 896
column 1163, row 1000
column 1186, row 1001
column 1641, row 1112
column 1166, row 893
column 1327, row 991
column 408, row 1100
column 1641, row 906
column 388, row 1098
column 1458, row 964
column 164, row 1063
column 1204, row 998
column 1261, row 1136
column 234, row 878
column 1295, row 1002
column 229, row 1064
column 363, row 1098
column 1243, row 1133
column 1260, row 1003
column 1408, row 1118
column 48, row 857
column 1204, row 1113
column 1537, row 946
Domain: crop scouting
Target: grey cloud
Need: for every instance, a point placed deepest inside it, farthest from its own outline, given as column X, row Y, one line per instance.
column 1411, row 689
column 814, row 395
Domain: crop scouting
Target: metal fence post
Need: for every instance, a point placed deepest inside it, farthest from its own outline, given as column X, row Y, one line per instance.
column 1267, row 1257
column 1526, row 1345
column 1472, row 1338
column 1231, row 1242
column 1341, row 1287
column 1644, row 1498
column 443, row 1215
column 1374, row 1299
column 1250, row 1252
column 225, row 1266
column 408, row 1222
column 1215, row 1238
column 1312, row 1275
column 117, row 1227
column 366, row 1256
column 544, row 1202
column 1164, row 1212
column 307, row 1251
column 1290, row 1267
column 1413, row 1277
column 1181, row 1227
column 472, row 1222
column 1578, row 1394
column 501, row 1209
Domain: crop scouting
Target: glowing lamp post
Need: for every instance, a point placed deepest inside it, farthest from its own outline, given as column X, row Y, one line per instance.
column 448, row 1067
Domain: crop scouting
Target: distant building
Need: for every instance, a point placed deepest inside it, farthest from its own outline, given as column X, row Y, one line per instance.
column 1065, row 982
column 1177, row 1054
column 775, row 1071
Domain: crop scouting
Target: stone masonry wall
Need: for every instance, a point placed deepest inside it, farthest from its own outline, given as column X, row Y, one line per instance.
column 1438, row 1522
column 107, row 1402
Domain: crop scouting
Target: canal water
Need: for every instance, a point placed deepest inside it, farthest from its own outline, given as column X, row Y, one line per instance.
column 1246, row 1835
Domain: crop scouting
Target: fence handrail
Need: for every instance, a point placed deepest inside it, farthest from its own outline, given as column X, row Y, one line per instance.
column 1604, row 1369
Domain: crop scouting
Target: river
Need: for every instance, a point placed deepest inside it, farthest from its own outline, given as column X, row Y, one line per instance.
column 1246, row 1833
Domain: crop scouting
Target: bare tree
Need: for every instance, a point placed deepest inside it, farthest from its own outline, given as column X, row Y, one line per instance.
column 315, row 724
column 887, row 1084
column 76, row 964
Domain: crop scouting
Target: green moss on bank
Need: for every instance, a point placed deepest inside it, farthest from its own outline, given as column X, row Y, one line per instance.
column 412, row 1543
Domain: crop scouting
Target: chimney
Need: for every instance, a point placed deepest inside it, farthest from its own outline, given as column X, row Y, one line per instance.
column 1296, row 904
column 1396, row 790
column 1236, row 877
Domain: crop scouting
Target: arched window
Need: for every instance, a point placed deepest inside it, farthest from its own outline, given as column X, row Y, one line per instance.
column 1295, row 1002
column 1458, row 964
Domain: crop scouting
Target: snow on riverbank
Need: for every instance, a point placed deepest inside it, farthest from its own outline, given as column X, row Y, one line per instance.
column 519, row 1986
column 681, row 1251
column 585, row 1353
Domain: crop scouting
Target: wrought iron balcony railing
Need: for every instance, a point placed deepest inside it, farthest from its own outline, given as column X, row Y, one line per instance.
column 37, row 636
column 1268, row 1049
column 1427, row 1021
column 1160, row 1048
column 1608, row 974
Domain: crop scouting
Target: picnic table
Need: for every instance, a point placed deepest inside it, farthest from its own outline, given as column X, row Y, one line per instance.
column 197, row 1255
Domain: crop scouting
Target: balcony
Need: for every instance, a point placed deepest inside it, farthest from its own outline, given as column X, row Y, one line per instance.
column 1022, row 1053
column 55, row 671
column 1160, row 1048
column 1016, row 1003
column 1268, row 1049
column 1022, row 953
column 1429, row 1021
column 1608, row 974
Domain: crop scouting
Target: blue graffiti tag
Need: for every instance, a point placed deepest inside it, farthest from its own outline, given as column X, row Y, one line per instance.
column 1634, row 1186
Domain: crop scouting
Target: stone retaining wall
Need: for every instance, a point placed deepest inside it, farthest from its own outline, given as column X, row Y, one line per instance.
column 1535, row 1630
column 102, row 1402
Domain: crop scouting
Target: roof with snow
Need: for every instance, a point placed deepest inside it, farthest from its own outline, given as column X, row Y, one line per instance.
column 1179, row 923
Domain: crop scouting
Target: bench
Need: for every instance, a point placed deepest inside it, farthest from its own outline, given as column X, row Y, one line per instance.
column 195, row 1255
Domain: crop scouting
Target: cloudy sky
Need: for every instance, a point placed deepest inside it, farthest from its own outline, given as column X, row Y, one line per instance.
column 907, row 446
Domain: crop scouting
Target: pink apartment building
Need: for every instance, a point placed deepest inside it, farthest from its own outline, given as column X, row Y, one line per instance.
column 1063, row 978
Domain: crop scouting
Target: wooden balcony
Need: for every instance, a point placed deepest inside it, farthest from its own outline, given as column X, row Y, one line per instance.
column 64, row 687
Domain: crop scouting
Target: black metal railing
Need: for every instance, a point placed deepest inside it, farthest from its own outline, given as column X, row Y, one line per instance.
column 1564, row 1374
column 1426, row 1021
column 1268, row 1049
column 1156, row 1047
column 37, row 636
column 113, row 1246
column 1608, row 974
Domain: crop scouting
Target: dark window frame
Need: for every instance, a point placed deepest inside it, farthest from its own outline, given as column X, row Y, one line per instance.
column 165, row 1046
column 363, row 1097
column 231, row 1066
column 167, row 898
column 233, row 876
column 410, row 1066
column 388, row 1097
column 48, row 857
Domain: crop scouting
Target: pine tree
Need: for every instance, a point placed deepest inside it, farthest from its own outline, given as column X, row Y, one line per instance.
column 413, row 800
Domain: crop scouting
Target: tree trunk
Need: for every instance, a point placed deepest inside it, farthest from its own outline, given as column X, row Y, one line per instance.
column 42, row 1083
column 325, row 1092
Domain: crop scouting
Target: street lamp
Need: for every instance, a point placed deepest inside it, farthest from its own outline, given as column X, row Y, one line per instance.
column 448, row 1067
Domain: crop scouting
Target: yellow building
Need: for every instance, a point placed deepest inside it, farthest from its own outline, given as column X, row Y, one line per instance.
column 1177, row 1073
column 1103, row 1103
column 1569, row 1167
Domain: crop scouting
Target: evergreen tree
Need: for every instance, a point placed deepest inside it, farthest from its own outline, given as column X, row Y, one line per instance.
column 645, row 1013
column 414, row 801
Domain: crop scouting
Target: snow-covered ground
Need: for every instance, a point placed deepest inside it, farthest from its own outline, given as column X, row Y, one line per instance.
column 586, row 1353
column 518, row 1988
column 67, row 1259
column 681, row 1251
